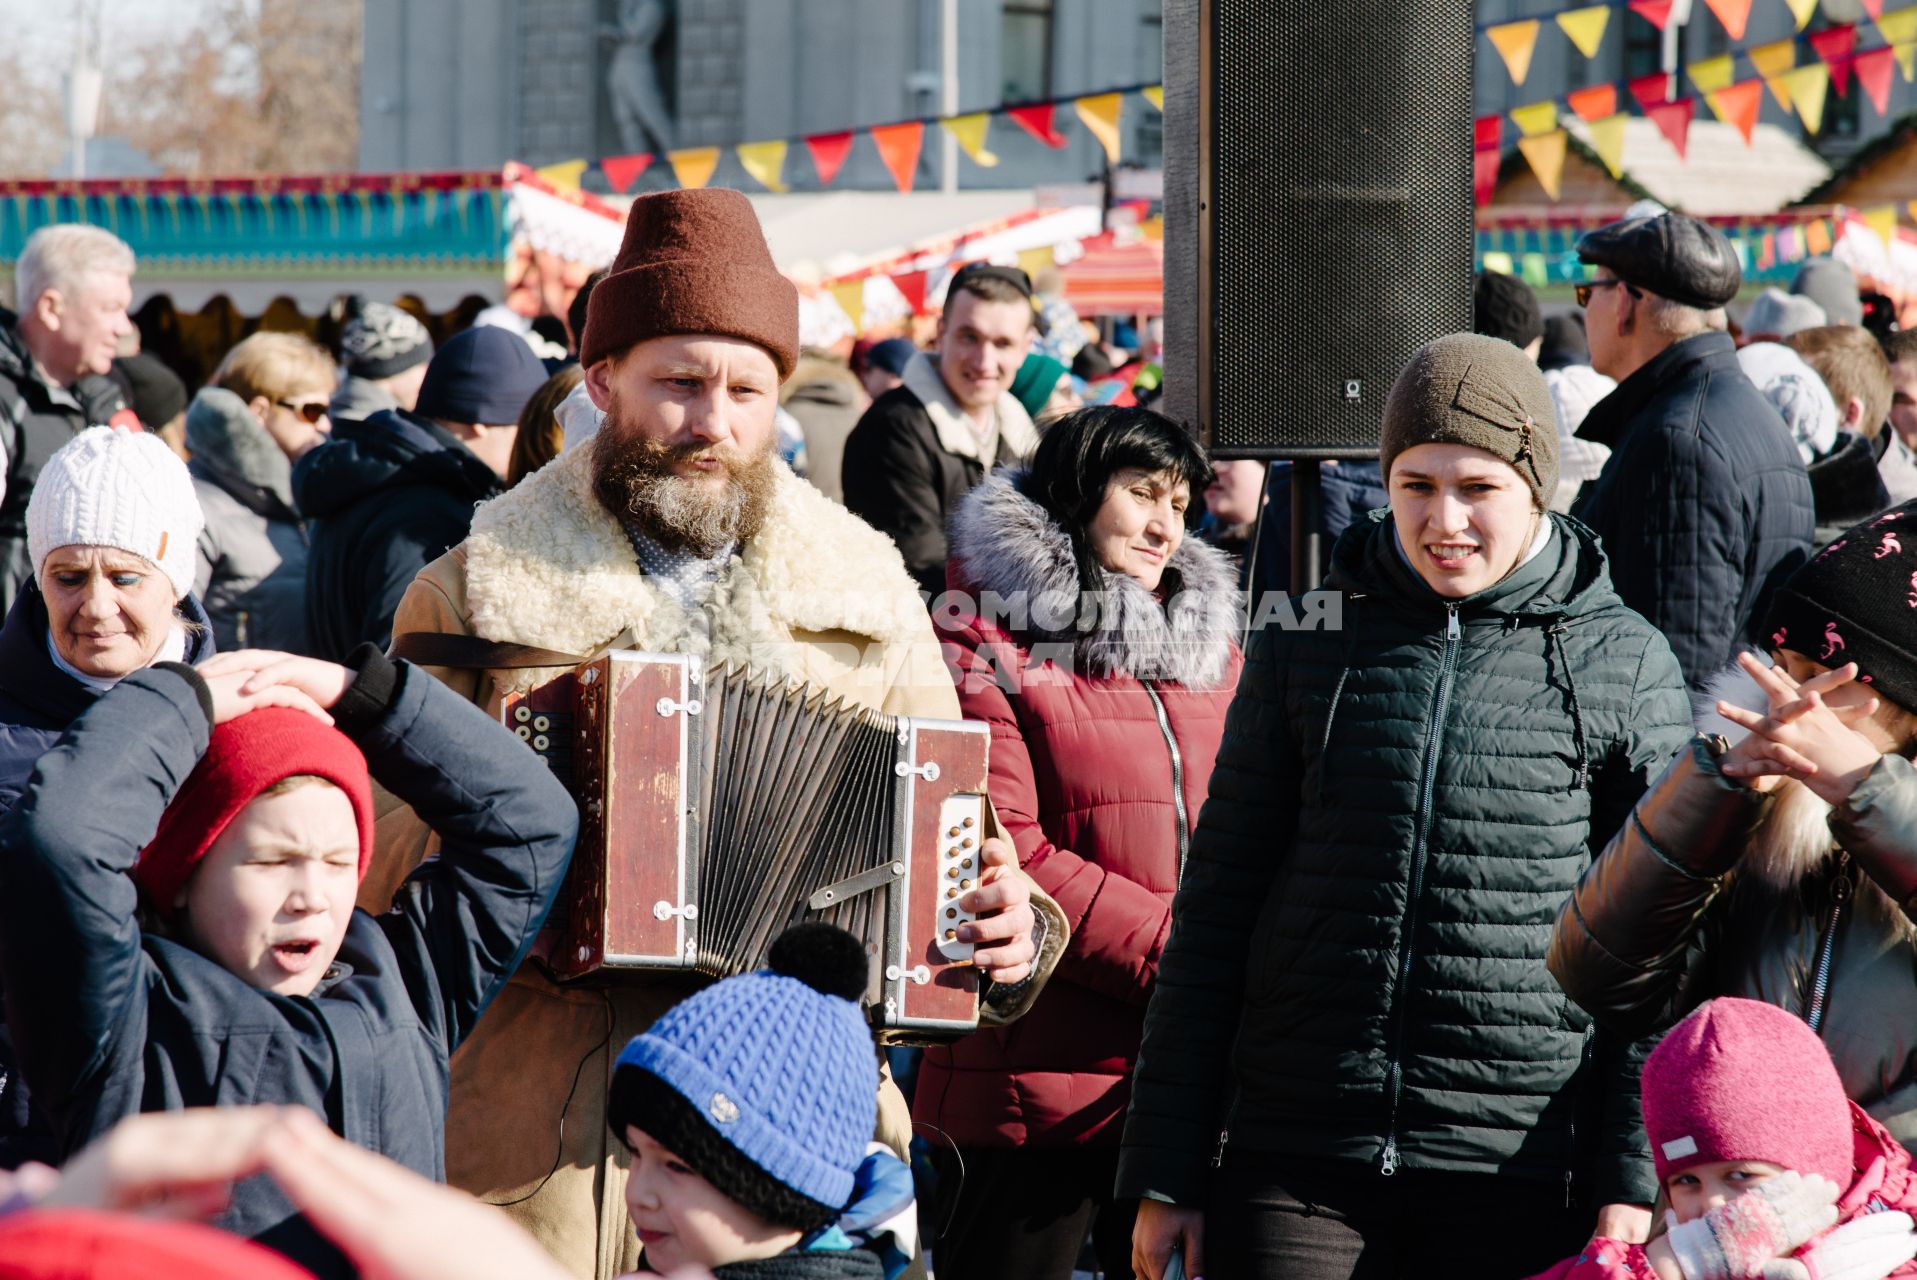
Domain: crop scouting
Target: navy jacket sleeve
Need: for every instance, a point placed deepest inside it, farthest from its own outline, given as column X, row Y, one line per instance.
column 69, row 933
column 891, row 482
column 392, row 551
column 462, row 923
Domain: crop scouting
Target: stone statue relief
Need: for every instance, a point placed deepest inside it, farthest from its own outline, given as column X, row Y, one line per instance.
column 632, row 76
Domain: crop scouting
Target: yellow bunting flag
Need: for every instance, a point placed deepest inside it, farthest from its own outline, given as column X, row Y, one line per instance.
column 1033, row 261
column 1586, row 27
column 1911, row 209
column 1155, row 94
column 1712, row 74
column 851, row 299
column 1802, row 11
column 765, row 161
column 1884, row 222
column 970, row 132
column 564, row 176
column 1607, row 139
column 1806, row 87
column 1539, row 117
column 1772, row 61
column 1899, row 27
column 1100, row 113
column 1545, row 154
column 1906, row 55
column 694, row 168
column 1515, row 42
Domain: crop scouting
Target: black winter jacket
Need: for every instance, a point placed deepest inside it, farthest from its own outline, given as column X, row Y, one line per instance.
column 110, row 1021
column 1846, row 487
column 382, row 499
column 1704, row 506
column 1398, row 809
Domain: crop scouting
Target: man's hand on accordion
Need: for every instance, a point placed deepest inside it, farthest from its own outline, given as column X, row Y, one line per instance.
column 1002, row 934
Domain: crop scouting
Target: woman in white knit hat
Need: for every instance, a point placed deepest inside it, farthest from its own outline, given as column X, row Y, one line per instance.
column 111, row 530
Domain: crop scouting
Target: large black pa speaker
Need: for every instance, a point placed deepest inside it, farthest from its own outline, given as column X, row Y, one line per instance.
column 1335, row 213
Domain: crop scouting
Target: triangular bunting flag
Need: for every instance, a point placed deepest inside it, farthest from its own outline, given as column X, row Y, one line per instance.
column 1772, row 61
column 1155, row 94
column 829, row 151
column 623, row 171
column 1484, row 174
column 1673, row 120
column 1539, row 117
column 1545, row 154
column 1738, row 106
column 564, row 176
column 1767, row 252
column 899, row 147
column 1875, row 8
column 1487, row 132
column 1585, row 27
column 1607, row 139
column 1649, row 90
column 1037, row 121
column 1906, row 55
column 1593, row 103
column 1802, row 11
column 851, row 299
column 1806, row 87
column 912, row 285
column 1884, row 222
column 1873, row 72
column 1834, row 45
column 1712, row 74
column 1655, row 12
column 765, row 161
column 1733, row 14
column 694, row 168
column 1817, row 238
column 1911, row 209
column 1899, row 27
column 970, row 131
column 1099, row 113
column 1515, row 42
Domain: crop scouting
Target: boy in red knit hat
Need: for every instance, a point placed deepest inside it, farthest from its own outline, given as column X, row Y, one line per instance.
column 1770, row 1170
column 177, row 925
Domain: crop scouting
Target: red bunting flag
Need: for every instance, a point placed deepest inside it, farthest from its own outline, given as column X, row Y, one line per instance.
column 1834, row 45
column 1649, row 90
column 623, row 171
column 1873, row 72
column 1487, row 148
column 1673, row 120
column 1037, row 121
column 1875, row 8
column 1739, row 104
column 1733, row 14
column 1487, row 131
column 1767, row 252
column 829, row 151
column 899, row 147
column 1655, row 12
column 1594, row 102
column 912, row 285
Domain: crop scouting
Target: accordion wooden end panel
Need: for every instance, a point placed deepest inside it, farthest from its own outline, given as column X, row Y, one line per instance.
column 720, row 806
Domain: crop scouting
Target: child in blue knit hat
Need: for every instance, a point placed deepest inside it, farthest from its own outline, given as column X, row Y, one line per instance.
column 749, row 1110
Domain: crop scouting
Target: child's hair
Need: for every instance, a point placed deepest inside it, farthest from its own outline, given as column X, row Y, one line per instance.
column 297, row 781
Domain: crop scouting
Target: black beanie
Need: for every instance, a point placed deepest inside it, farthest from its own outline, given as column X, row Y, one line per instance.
column 1857, row 602
column 1506, row 308
column 155, row 391
column 483, row 374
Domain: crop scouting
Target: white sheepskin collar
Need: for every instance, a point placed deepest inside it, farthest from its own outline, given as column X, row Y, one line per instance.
column 1005, row 543
column 548, row 565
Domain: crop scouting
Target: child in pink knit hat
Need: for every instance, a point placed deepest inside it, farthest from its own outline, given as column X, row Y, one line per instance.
column 1769, row 1169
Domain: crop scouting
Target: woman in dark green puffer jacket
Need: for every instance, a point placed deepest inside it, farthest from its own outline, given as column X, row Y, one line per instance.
column 1354, row 986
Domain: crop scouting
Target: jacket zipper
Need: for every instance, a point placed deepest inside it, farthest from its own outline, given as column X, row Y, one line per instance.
column 1420, row 851
column 1178, row 778
column 1820, row 984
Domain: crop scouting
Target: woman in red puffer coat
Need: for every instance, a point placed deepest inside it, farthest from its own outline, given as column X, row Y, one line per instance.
column 1100, row 643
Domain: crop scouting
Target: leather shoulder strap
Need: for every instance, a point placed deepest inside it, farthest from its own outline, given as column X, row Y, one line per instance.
column 449, row 649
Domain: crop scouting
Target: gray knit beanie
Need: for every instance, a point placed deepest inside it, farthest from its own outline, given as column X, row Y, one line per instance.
column 1469, row 389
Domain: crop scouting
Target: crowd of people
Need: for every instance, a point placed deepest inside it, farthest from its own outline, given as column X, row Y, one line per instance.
column 1545, row 913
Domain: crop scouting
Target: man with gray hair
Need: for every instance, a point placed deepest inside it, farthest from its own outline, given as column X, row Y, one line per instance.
column 72, row 285
column 1704, row 505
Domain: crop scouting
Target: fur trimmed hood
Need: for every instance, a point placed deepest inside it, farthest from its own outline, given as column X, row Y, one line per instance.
column 1007, row 544
column 812, row 567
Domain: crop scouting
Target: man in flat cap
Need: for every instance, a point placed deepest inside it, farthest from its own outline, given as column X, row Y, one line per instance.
column 1704, row 505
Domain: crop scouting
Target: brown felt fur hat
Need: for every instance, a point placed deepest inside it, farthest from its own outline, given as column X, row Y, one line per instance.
column 693, row 262
column 1469, row 389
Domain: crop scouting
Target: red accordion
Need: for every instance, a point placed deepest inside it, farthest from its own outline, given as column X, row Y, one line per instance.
column 718, row 807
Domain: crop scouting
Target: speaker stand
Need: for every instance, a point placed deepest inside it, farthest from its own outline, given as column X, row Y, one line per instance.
column 1307, row 525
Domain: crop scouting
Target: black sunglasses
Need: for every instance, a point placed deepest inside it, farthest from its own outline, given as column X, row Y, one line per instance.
column 310, row 411
column 1584, row 291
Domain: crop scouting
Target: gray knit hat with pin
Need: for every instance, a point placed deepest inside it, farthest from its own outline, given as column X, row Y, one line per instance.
column 1465, row 388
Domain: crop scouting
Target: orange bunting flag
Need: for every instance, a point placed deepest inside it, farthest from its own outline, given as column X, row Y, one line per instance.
column 1100, row 113
column 970, row 132
column 1607, row 139
column 1772, row 61
column 1733, row 14
column 1805, row 87
column 1585, row 27
column 564, row 176
column 1817, row 237
column 1713, row 74
column 1874, row 70
column 829, row 151
column 623, row 171
column 1673, row 120
column 1155, row 94
column 1545, row 154
column 1738, row 106
column 1515, row 42
column 1593, row 103
column 1655, row 12
column 899, row 147
column 1875, row 8
column 1539, row 117
column 1037, row 121
column 694, row 168
column 765, row 161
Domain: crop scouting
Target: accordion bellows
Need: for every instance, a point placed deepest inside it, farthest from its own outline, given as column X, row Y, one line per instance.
column 718, row 807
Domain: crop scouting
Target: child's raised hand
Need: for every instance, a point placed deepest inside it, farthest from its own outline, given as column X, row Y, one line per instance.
column 1803, row 736
column 1866, row 1248
column 1742, row 1237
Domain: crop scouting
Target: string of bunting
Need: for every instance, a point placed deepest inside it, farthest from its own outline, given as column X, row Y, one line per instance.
column 1800, row 89
column 898, row 144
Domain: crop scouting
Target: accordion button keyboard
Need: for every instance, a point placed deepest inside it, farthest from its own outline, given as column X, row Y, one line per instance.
column 957, row 815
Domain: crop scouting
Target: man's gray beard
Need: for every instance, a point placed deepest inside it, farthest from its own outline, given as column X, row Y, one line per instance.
column 633, row 478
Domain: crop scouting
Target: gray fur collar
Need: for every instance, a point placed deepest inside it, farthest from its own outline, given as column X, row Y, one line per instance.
column 1004, row 543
